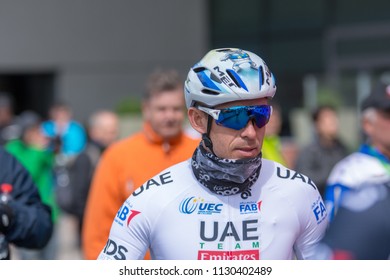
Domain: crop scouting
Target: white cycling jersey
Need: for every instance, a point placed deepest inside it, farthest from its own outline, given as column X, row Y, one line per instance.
column 358, row 203
column 362, row 172
column 176, row 217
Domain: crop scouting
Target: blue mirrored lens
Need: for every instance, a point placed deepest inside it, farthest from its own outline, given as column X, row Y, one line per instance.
column 238, row 117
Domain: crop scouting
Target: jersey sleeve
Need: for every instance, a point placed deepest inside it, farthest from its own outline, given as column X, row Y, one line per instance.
column 313, row 221
column 338, row 183
column 349, row 175
column 130, row 233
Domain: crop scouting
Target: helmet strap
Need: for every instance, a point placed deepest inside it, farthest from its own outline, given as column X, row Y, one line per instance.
column 206, row 136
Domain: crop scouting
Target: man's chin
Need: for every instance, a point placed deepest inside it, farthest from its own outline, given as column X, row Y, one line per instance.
column 246, row 154
column 169, row 134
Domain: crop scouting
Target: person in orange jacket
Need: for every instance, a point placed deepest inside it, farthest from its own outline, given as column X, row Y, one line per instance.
column 128, row 163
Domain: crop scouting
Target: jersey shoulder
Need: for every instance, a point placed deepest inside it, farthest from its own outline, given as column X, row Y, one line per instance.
column 295, row 190
column 171, row 180
column 156, row 195
column 357, row 170
column 278, row 174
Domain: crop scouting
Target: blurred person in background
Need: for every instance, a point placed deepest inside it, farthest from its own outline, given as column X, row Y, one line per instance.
column 9, row 128
column 103, row 130
column 358, row 191
column 25, row 221
column 317, row 159
column 67, row 139
column 67, row 135
column 128, row 163
column 32, row 152
column 272, row 144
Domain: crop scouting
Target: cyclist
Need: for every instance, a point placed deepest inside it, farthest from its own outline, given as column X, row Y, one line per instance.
column 358, row 191
column 226, row 202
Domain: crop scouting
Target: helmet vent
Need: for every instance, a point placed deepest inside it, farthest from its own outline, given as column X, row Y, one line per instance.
column 236, row 79
column 210, row 92
column 215, row 78
column 224, row 50
column 261, row 76
column 212, row 76
column 198, row 69
column 233, row 77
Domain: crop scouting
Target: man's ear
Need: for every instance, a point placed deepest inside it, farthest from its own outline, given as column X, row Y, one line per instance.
column 367, row 125
column 145, row 110
column 197, row 119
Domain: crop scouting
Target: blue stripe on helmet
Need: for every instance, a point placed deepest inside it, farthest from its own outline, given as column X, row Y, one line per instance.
column 261, row 73
column 237, row 78
column 206, row 81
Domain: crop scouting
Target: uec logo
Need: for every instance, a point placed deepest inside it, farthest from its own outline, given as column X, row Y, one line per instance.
column 190, row 204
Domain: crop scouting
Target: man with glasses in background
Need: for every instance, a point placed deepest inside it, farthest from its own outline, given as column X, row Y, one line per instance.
column 226, row 202
column 358, row 190
column 127, row 163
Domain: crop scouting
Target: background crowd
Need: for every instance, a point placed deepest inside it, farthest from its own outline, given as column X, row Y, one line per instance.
column 76, row 162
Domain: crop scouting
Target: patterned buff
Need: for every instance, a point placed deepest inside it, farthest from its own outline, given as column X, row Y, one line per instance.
column 225, row 176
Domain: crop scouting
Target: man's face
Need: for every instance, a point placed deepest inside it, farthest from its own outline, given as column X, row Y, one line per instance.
column 328, row 124
column 378, row 129
column 106, row 131
column 165, row 113
column 238, row 144
column 61, row 115
column 5, row 115
column 275, row 124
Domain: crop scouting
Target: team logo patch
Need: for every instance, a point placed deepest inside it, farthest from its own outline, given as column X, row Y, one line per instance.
column 125, row 215
column 319, row 210
column 239, row 57
column 229, row 255
column 191, row 204
column 250, row 207
column 115, row 250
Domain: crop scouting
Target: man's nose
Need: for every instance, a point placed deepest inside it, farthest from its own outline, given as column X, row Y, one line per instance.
column 250, row 129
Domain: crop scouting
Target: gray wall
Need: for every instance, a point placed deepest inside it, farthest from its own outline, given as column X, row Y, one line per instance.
column 100, row 50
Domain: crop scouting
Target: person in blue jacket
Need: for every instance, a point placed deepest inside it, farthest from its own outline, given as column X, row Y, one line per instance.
column 68, row 136
column 24, row 220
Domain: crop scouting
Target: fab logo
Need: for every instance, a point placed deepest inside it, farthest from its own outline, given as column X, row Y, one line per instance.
column 250, row 207
column 125, row 215
column 319, row 210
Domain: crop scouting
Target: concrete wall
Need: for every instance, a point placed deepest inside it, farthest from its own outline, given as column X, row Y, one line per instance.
column 100, row 50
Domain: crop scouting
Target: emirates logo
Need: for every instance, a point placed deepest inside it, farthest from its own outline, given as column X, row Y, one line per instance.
column 229, row 255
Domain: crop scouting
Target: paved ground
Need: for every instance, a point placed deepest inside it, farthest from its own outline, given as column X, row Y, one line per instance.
column 68, row 240
column 68, row 246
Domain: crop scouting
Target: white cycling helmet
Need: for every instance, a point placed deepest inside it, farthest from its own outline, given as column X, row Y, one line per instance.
column 225, row 75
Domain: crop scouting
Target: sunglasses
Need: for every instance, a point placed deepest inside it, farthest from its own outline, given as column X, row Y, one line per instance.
column 237, row 117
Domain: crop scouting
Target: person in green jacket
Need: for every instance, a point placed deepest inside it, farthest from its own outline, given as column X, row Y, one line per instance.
column 275, row 148
column 272, row 147
column 31, row 151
